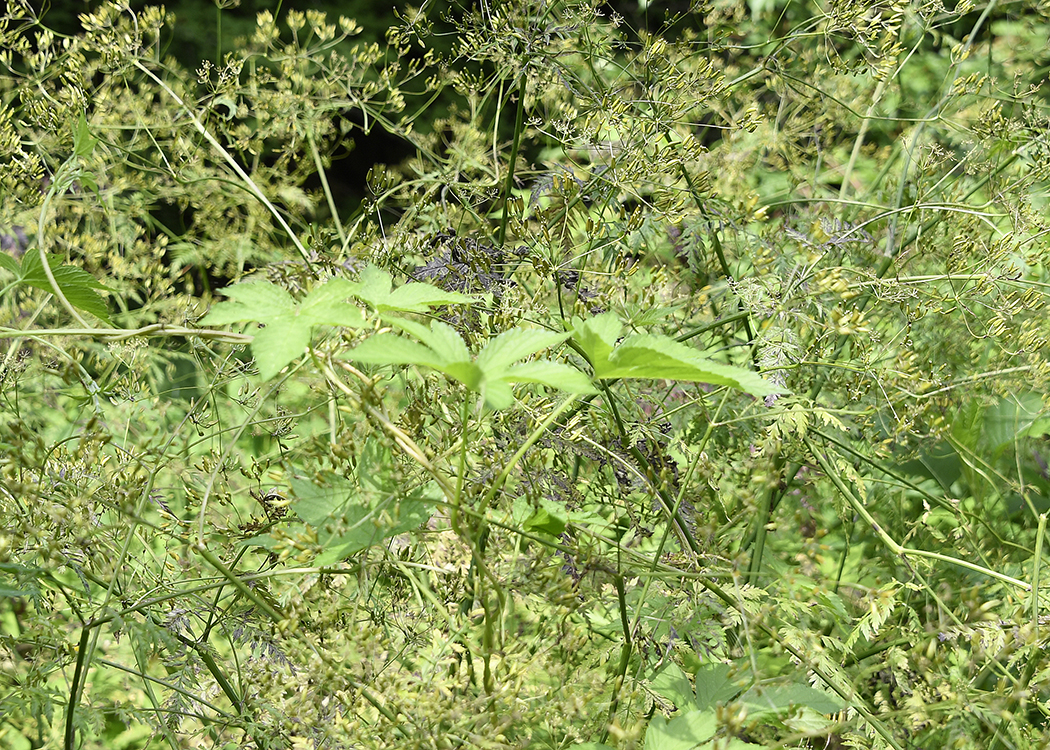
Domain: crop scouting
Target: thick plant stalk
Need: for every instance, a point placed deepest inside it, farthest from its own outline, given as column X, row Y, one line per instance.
column 625, row 655
column 76, row 688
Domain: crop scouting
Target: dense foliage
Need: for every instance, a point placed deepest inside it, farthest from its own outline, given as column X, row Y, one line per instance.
column 683, row 387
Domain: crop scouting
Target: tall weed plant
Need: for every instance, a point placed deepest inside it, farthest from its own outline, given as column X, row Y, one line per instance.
column 684, row 388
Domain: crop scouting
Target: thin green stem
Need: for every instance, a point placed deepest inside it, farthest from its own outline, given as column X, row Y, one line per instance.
column 120, row 334
column 1033, row 662
column 322, row 174
column 228, row 158
column 537, row 433
column 508, row 186
column 220, row 677
column 897, row 549
column 762, row 521
column 1037, row 560
column 625, row 655
column 859, row 142
column 461, row 474
column 240, row 585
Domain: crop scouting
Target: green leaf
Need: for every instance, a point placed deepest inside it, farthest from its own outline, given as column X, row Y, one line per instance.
column 689, row 731
column 491, row 374
column 1011, row 419
column 658, row 358
column 10, row 264
column 498, row 394
column 373, row 467
column 510, row 346
column 83, row 141
column 779, row 699
column 288, row 326
column 713, row 686
column 497, row 359
column 277, row 345
column 440, row 337
column 76, row 284
column 252, row 302
column 597, row 337
column 683, row 732
column 551, row 374
column 315, row 505
column 327, row 305
column 467, row 373
column 391, row 349
column 373, row 286
column 549, row 518
column 229, row 103
column 88, row 182
column 349, row 517
column 810, row 723
column 673, row 684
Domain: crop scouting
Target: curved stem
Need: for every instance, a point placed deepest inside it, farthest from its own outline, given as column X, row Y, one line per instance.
column 228, row 158
column 41, row 235
column 894, row 547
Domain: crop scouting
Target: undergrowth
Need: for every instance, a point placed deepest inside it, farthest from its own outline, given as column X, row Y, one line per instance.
column 685, row 388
